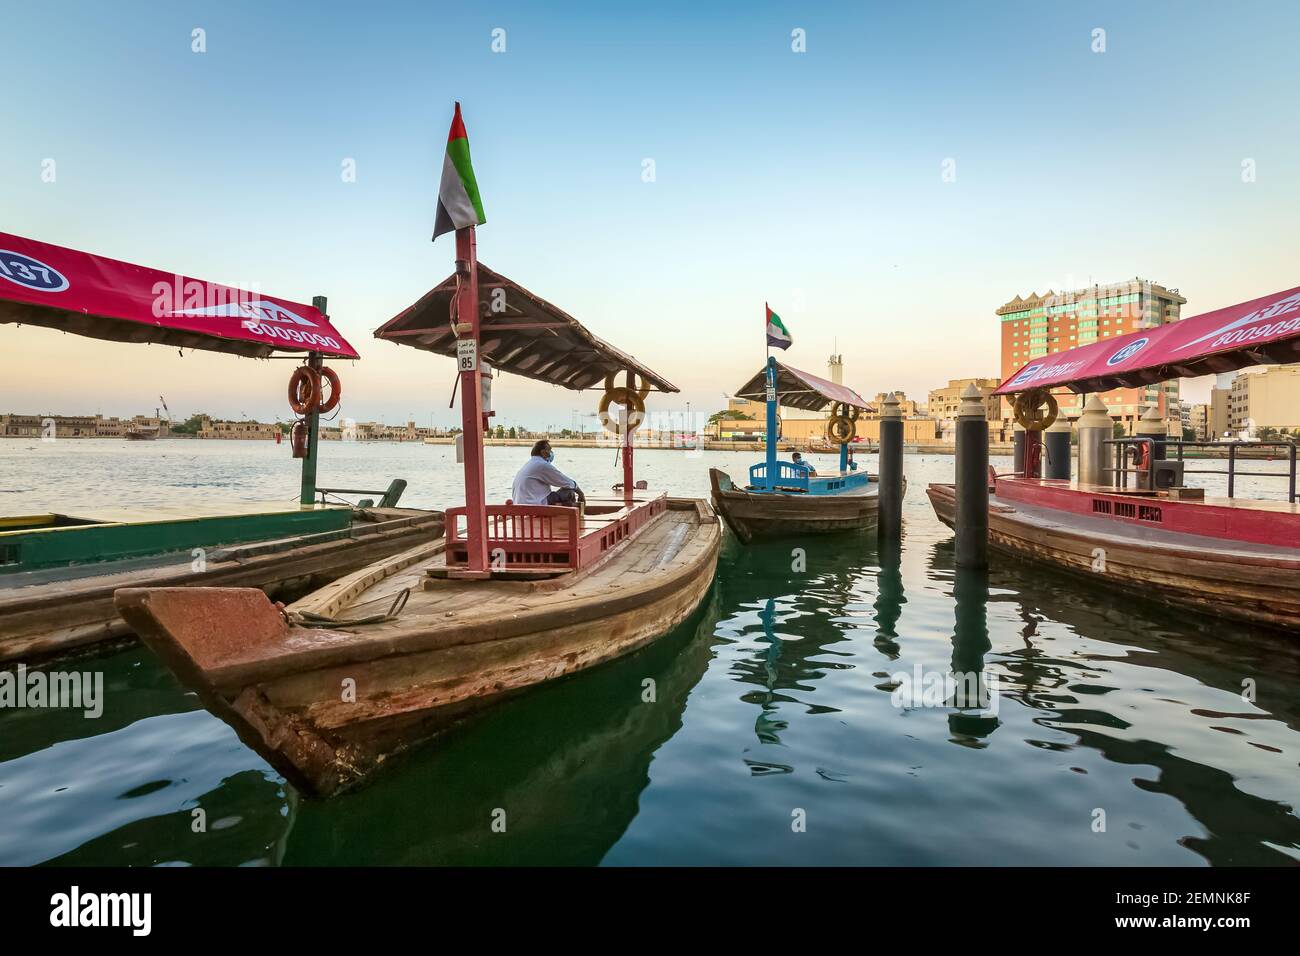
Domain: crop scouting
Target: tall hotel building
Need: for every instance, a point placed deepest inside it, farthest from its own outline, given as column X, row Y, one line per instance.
column 1058, row 321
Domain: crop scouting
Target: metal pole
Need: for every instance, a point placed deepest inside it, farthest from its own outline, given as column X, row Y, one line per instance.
column 628, row 381
column 1018, row 450
column 307, row 492
column 1033, row 454
column 972, row 491
column 771, row 422
column 890, row 522
column 471, row 415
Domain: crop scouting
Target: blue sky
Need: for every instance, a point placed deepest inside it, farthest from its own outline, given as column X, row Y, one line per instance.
column 811, row 180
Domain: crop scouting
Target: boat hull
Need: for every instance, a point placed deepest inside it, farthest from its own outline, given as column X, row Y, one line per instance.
column 769, row 515
column 1238, row 583
column 327, row 707
column 56, row 618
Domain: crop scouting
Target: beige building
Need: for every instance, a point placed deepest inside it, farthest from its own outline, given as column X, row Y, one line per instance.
column 49, row 426
column 1198, row 420
column 1267, row 399
column 232, row 430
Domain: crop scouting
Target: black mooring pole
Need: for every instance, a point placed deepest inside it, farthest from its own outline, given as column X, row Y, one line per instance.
column 890, row 523
column 972, row 466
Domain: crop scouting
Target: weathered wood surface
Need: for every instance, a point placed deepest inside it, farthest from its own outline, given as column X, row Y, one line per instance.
column 55, row 618
column 457, row 645
column 1248, row 582
column 753, row 516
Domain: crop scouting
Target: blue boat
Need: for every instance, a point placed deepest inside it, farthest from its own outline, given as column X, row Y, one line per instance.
column 789, row 498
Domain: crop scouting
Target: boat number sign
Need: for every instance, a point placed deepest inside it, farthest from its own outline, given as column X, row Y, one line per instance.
column 31, row 273
column 771, row 393
column 467, row 354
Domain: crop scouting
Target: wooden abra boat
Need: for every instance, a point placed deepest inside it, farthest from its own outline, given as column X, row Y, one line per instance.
column 1220, row 556
column 522, row 594
column 787, row 497
column 451, row 645
column 58, row 571
column 1226, row 557
column 58, row 599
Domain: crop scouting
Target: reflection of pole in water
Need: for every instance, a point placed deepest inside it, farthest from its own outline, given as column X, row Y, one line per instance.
column 766, row 727
column 970, row 642
column 889, row 596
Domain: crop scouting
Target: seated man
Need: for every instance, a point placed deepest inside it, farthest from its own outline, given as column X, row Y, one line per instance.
column 535, row 480
column 798, row 460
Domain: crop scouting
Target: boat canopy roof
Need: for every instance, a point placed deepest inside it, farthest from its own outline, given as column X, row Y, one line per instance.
column 1257, row 332
column 800, row 390
column 86, row 294
column 519, row 332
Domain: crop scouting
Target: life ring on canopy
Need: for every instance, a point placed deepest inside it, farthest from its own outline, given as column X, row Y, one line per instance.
column 304, row 389
column 336, row 391
column 842, row 427
column 1029, row 415
column 633, row 399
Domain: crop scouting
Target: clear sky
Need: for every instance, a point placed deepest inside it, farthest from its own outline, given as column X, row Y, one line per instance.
column 811, row 180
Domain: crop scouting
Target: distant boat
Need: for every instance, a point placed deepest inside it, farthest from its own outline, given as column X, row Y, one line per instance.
column 142, row 433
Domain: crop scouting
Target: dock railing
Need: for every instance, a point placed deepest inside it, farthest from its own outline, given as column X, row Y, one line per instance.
column 1123, row 446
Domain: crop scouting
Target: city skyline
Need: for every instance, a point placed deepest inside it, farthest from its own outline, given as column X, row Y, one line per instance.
column 885, row 204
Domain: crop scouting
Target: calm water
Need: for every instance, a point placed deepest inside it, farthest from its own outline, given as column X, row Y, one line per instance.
column 774, row 704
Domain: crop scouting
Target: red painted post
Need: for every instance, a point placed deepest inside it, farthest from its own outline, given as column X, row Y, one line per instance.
column 471, row 416
column 630, row 381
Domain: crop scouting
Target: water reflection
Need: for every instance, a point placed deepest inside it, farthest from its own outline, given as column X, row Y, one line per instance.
column 1237, row 826
column 563, row 767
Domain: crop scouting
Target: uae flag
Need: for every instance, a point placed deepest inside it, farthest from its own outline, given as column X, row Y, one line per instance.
column 777, row 333
column 459, row 204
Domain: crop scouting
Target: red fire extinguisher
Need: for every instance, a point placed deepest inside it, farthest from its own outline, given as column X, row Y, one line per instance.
column 299, row 439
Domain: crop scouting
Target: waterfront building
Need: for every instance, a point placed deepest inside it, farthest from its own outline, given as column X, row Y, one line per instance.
column 1265, row 399
column 1040, row 326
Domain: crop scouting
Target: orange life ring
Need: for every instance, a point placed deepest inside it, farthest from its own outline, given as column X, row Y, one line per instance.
column 336, row 391
column 304, row 389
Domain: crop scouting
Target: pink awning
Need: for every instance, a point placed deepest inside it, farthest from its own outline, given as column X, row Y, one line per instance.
column 800, row 390
column 1260, row 331
column 43, row 284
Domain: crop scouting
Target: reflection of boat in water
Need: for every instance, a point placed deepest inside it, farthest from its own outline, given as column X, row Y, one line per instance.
column 783, row 498
column 1238, row 825
column 796, row 630
column 566, row 764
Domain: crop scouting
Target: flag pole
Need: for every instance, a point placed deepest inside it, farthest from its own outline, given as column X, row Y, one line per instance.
column 471, row 413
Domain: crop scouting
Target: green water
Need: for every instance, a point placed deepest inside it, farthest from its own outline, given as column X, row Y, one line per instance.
column 775, row 734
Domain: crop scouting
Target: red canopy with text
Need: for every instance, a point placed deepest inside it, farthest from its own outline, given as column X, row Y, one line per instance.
column 48, row 285
column 1260, row 331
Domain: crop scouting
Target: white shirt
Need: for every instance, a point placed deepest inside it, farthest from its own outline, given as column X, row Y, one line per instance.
column 535, row 481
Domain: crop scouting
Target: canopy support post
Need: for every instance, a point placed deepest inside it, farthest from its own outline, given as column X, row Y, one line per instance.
column 629, row 381
column 844, row 457
column 471, row 414
column 307, row 495
column 771, row 423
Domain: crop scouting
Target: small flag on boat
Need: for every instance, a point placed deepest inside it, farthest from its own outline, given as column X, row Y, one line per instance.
column 459, row 204
column 777, row 333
